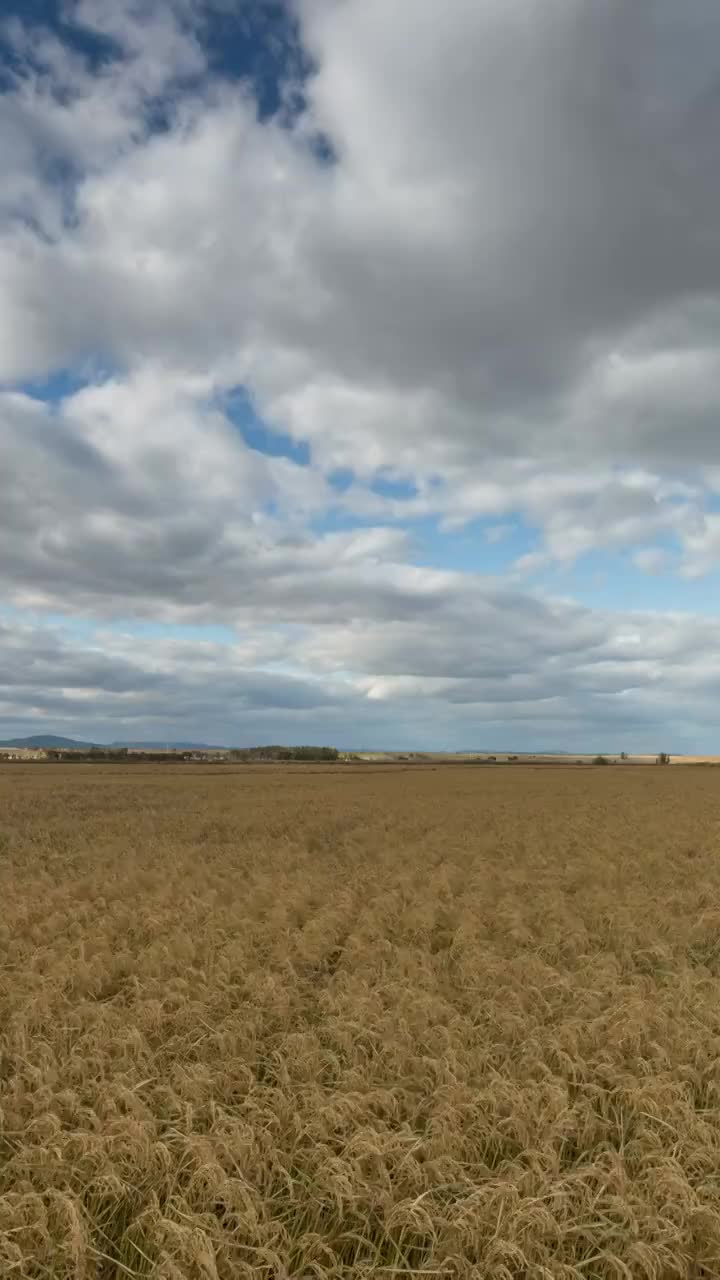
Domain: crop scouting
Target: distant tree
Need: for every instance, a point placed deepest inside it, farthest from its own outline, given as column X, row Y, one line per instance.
column 280, row 753
column 601, row 760
column 663, row 758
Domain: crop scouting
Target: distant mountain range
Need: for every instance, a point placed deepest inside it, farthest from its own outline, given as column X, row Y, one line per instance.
column 40, row 740
column 45, row 740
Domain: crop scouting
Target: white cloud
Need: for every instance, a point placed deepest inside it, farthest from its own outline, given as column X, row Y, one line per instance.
column 495, row 533
column 490, row 293
column 702, row 548
column 422, row 300
column 136, row 497
column 652, row 559
column 540, row 670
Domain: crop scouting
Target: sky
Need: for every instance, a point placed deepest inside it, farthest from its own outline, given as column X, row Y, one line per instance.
column 359, row 372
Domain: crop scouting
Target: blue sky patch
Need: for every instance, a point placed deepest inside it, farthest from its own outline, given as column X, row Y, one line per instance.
column 54, row 387
column 472, row 548
column 256, row 433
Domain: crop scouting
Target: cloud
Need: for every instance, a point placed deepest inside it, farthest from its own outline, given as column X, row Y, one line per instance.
column 110, row 679
column 541, row 670
column 652, row 559
column 507, row 253
column 481, row 262
column 511, row 207
column 495, row 533
column 128, row 490
column 494, row 273
column 138, row 497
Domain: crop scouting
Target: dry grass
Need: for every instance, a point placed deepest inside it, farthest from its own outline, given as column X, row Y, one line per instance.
column 359, row 1022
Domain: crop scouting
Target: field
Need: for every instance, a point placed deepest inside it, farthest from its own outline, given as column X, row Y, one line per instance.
column 357, row 1021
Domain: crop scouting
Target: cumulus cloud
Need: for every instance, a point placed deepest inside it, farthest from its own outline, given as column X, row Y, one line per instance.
column 508, row 216
column 652, row 559
column 133, row 491
column 540, row 668
column 480, row 263
column 111, row 679
column 496, row 268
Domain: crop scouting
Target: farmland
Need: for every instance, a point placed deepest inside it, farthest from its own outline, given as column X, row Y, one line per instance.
column 336, row 1022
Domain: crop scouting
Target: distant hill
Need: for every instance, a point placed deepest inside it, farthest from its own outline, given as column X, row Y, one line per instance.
column 40, row 740
column 46, row 740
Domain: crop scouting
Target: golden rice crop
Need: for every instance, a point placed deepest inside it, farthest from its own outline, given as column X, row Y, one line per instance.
column 358, row 1021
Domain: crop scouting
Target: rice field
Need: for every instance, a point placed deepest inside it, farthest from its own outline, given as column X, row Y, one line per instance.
column 359, row 1021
